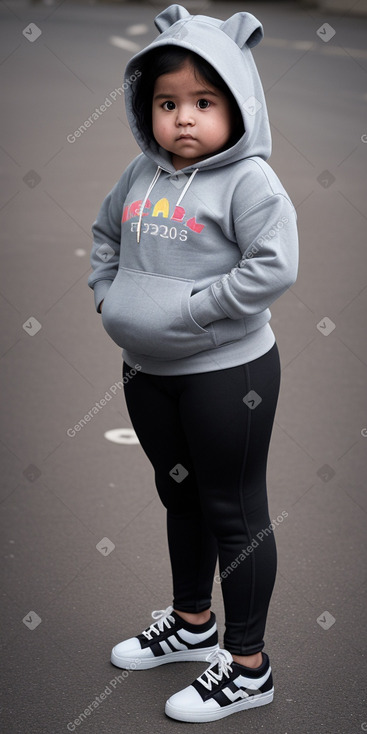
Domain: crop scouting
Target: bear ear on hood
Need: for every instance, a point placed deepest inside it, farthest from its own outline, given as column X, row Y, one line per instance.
column 243, row 28
column 169, row 16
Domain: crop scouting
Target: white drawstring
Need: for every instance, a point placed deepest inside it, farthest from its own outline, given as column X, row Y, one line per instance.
column 151, row 186
column 187, row 186
column 152, row 183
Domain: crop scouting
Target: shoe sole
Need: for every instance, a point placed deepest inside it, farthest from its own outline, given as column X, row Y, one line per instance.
column 200, row 716
column 174, row 657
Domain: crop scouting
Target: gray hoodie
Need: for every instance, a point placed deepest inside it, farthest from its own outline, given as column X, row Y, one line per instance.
column 188, row 262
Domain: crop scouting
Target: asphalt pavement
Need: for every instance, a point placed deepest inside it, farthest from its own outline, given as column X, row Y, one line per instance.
column 84, row 553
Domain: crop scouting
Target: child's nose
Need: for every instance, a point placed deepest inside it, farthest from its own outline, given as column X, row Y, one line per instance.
column 185, row 115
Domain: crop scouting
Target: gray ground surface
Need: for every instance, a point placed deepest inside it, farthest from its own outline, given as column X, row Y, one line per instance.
column 62, row 495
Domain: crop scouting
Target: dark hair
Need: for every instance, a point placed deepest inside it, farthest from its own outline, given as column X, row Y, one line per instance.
column 164, row 60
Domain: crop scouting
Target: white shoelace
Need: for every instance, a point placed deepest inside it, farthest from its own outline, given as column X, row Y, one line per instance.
column 223, row 659
column 163, row 618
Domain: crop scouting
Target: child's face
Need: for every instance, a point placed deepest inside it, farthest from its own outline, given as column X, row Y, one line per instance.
column 191, row 119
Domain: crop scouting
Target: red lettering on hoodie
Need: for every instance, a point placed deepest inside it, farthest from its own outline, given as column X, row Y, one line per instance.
column 192, row 224
column 178, row 214
column 133, row 210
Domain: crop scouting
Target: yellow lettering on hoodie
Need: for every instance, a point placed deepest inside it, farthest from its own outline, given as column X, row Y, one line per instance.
column 161, row 207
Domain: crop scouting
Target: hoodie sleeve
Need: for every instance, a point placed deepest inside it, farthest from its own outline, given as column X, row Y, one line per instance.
column 267, row 237
column 105, row 254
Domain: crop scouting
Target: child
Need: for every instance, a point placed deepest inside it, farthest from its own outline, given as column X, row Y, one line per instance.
column 191, row 247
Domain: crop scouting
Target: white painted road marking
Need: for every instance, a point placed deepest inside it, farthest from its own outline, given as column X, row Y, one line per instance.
column 124, row 43
column 122, row 435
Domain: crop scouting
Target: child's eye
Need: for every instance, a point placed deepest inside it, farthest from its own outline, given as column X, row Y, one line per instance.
column 203, row 104
column 169, row 105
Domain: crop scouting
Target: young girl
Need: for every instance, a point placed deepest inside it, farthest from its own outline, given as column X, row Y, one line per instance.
column 191, row 247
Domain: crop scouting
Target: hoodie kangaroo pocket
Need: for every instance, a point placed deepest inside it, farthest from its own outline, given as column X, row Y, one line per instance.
column 149, row 314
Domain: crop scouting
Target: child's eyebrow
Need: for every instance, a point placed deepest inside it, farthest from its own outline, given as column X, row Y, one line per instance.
column 204, row 92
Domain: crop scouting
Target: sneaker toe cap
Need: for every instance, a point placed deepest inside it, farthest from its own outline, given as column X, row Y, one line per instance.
column 127, row 648
column 188, row 698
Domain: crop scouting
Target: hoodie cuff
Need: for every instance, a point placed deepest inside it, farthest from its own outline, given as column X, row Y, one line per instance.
column 100, row 289
column 205, row 308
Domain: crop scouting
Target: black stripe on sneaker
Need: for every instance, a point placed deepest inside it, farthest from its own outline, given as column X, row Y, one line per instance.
column 209, row 642
column 224, row 700
column 172, row 632
column 267, row 685
column 226, row 691
column 156, row 649
column 171, row 645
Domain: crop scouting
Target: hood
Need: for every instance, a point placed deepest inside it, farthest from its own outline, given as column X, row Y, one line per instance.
column 226, row 45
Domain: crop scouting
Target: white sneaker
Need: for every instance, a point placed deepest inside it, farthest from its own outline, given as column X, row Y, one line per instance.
column 223, row 689
column 168, row 640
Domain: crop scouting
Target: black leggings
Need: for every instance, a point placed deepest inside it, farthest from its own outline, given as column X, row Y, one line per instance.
column 209, row 450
